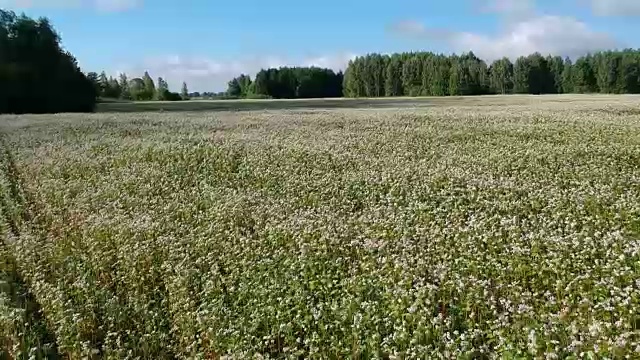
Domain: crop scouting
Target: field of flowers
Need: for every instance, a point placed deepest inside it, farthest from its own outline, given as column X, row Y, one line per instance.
column 508, row 232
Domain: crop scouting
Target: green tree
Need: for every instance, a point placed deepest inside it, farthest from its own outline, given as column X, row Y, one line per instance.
column 567, row 77
column 233, row 88
column 125, row 91
column 584, row 78
column 93, row 77
column 441, row 68
column 184, row 93
column 556, row 66
column 521, row 73
column 113, row 89
column 540, row 77
column 103, row 82
column 412, row 76
column 137, row 90
column 607, row 71
column 501, row 76
column 36, row 74
column 393, row 77
column 352, row 79
column 148, row 91
column 162, row 89
column 629, row 78
column 245, row 85
column 460, row 79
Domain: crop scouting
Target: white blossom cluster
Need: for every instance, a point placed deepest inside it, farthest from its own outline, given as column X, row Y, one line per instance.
column 502, row 232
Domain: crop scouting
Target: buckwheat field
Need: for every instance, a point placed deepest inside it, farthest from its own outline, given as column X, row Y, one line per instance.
column 467, row 232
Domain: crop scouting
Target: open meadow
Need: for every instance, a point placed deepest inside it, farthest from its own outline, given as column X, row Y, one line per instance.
column 508, row 229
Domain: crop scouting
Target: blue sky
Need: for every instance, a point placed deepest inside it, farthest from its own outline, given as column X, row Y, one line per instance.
column 207, row 42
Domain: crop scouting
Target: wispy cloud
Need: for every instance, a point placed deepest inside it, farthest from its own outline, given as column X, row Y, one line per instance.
column 523, row 31
column 615, row 7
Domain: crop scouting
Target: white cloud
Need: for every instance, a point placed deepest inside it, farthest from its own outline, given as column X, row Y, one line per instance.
column 547, row 34
column 205, row 74
column 408, row 27
column 523, row 31
column 615, row 7
column 101, row 5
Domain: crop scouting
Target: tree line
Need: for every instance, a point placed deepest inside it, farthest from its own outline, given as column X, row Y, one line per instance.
column 288, row 83
column 138, row 89
column 36, row 74
column 430, row 74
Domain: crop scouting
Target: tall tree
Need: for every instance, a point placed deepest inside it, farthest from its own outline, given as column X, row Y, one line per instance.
column 103, row 84
column 412, row 76
column 162, row 89
column 233, row 88
column 125, row 91
column 567, row 77
column 521, row 73
column 245, row 85
column 261, row 83
column 556, row 66
column 441, row 68
column 184, row 93
column 629, row 78
column 36, row 74
column 501, row 76
column 540, row 78
column 93, row 77
column 113, row 89
column 148, row 92
column 584, row 78
column 607, row 69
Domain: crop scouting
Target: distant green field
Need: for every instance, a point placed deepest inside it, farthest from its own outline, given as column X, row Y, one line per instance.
column 397, row 102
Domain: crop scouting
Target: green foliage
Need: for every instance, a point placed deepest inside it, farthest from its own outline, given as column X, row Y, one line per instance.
column 162, row 90
column 501, row 76
column 149, row 91
column 288, row 83
column 429, row 74
column 184, row 93
column 393, row 77
column 137, row 89
column 567, row 77
column 584, row 76
column 240, row 87
column 36, row 74
column 125, row 91
column 172, row 96
column 556, row 67
column 95, row 80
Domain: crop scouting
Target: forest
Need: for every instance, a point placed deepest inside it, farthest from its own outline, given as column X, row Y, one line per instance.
column 429, row 74
column 38, row 76
column 288, row 83
column 137, row 89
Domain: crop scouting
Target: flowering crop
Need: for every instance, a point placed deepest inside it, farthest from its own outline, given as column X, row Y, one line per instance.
column 470, row 232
